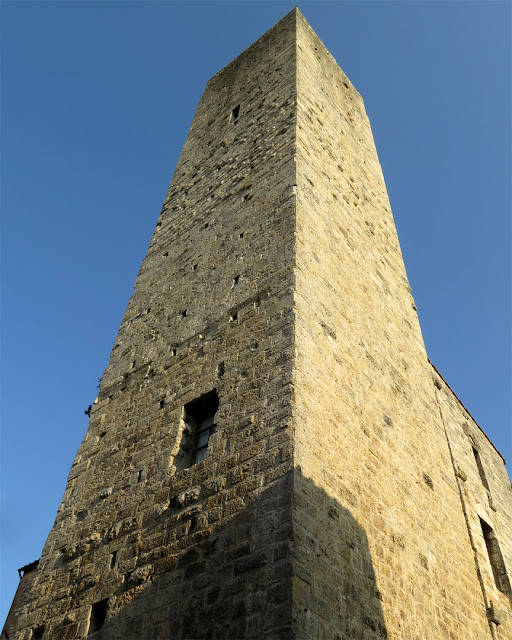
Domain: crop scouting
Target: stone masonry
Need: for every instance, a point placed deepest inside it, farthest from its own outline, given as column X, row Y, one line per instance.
column 271, row 454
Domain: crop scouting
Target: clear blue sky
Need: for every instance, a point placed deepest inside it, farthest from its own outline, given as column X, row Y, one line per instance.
column 97, row 99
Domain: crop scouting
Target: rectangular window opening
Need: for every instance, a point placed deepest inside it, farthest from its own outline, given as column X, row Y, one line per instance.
column 480, row 467
column 98, row 615
column 199, row 419
column 496, row 560
column 235, row 113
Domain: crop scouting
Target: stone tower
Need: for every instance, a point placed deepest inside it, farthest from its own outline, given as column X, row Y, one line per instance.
column 271, row 454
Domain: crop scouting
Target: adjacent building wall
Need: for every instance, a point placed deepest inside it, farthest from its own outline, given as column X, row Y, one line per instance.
column 27, row 576
column 486, row 497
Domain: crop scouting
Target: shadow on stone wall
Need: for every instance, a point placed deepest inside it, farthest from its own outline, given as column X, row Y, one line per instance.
column 236, row 581
column 336, row 596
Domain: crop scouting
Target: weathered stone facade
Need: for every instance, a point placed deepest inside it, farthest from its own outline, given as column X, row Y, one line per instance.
column 345, row 492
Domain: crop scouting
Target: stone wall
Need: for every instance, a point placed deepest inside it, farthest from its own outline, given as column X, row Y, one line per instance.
column 156, row 551
column 345, row 493
column 387, row 553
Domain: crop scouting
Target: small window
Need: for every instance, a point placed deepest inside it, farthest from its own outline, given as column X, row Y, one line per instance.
column 235, row 113
column 205, row 428
column 480, row 467
column 496, row 559
column 98, row 615
column 199, row 418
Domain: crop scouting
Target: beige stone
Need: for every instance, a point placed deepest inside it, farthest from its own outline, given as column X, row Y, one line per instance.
column 344, row 491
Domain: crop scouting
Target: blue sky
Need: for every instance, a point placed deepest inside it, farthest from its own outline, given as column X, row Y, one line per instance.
column 97, row 99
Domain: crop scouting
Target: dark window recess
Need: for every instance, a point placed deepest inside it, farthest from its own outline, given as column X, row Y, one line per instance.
column 235, row 113
column 496, row 559
column 38, row 633
column 113, row 559
column 428, row 480
column 98, row 615
column 481, row 471
column 200, row 424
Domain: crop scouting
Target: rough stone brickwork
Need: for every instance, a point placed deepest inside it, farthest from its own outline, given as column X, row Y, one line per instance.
column 369, row 434
column 345, row 492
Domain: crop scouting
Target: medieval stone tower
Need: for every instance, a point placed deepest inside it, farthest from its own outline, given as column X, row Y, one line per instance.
column 271, row 454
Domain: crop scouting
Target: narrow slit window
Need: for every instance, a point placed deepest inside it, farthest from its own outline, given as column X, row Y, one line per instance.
column 235, row 113
column 199, row 418
column 480, row 467
column 496, row 560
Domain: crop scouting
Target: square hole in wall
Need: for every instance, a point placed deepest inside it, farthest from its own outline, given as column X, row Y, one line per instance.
column 98, row 616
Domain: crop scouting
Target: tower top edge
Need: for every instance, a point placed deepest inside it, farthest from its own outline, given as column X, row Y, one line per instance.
column 289, row 22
